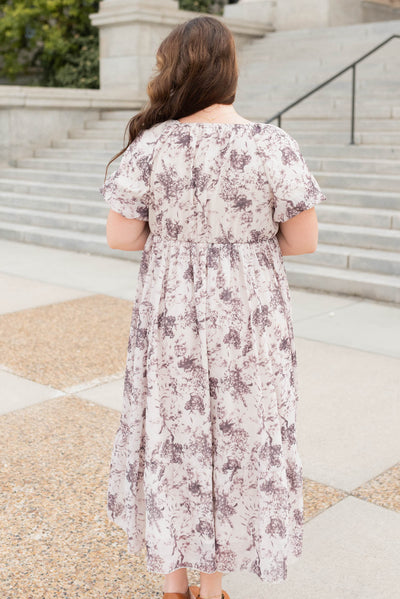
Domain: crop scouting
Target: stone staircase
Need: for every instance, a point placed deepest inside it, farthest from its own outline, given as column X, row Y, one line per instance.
column 52, row 198
column 277, row 69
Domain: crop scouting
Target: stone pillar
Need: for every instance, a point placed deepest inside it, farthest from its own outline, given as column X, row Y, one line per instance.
column 131, row 30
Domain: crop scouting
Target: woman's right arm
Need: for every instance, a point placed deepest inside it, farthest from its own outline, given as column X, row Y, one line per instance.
column 299, row 234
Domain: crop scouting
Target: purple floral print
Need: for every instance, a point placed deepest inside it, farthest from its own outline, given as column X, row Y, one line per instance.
column 205, row 470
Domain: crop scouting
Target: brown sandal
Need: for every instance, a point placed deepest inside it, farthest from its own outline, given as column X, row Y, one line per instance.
column 186, row 595
column 195, row 593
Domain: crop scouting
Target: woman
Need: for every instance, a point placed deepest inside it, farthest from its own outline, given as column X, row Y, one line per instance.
column 205, row 469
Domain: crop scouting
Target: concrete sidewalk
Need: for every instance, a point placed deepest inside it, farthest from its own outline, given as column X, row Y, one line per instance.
column 64, row 320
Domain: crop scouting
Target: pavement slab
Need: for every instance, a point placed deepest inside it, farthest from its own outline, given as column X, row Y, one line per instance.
column 350, row 552
column 348, row 414
column 67, row 343
column 25, row 293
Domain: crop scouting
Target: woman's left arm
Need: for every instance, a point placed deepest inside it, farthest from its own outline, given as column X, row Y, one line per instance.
column 129, row 234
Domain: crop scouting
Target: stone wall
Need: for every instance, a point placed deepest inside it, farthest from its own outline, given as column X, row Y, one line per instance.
column 32, row 117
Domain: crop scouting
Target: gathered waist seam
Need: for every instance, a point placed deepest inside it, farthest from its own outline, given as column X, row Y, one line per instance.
column 212, row 242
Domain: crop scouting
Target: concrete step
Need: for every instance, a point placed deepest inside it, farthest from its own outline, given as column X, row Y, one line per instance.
column 356, row 236
column 376, row 88
column 337, row 108
column 361, row 31
column 363, row 217
column 69, row 240
column 263, row 109
column 330, row 137
column 54, row 204
column 385, row 138
column 63, row 165
column 53, row 190
column 337, row 280
column 325, row 67
column 114, row 133
column 106, row 125
column 337, row 137
column 55, row 220
column 361, row 259
column 87, row 179
column 117, row 115
column 381, row 68
column 362, row 125
column 74, row 154
column 350, row 49
column 347, row 151
column 379, row 64
column 360, row 181
column 254, row 54
column 89, row 145
column 332, row 106
column 354, row 165
column 396, row 221
column 298, row 78
column 365, row 199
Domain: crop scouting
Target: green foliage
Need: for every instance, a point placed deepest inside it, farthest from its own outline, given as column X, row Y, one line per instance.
column 208, row 6
column 51, row 42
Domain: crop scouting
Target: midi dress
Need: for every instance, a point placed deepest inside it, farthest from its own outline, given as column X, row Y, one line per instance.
column 205, row 471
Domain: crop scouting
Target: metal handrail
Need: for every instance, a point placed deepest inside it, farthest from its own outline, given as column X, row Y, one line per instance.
column 352, row 66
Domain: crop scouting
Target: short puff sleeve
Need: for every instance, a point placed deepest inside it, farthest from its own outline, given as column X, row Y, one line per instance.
column 127, row 189
column 293, row 186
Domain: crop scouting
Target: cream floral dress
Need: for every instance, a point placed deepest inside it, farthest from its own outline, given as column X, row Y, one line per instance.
column 205, row 471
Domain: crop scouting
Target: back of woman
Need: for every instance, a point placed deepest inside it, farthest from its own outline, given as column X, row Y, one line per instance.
column 205, row 470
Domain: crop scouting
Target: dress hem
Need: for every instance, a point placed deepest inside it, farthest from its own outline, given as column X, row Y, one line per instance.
column 141, row 553
column 290, row 560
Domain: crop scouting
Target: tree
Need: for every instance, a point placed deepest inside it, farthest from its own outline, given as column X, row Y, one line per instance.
column 49, row 42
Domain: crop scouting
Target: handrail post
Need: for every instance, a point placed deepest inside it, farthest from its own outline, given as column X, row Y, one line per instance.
column 279, row 119
column 353, row 103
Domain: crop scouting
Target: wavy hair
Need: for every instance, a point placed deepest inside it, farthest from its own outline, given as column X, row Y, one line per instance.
column 196, row 66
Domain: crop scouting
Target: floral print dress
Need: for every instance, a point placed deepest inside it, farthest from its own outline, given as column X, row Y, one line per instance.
column 205, row 470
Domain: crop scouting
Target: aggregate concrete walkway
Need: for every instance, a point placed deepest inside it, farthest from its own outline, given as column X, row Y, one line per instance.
column 64, row 324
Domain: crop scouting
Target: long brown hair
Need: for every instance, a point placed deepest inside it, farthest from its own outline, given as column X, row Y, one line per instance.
column 196, row 67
